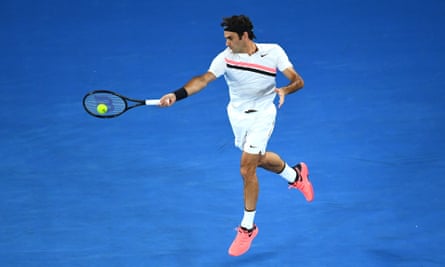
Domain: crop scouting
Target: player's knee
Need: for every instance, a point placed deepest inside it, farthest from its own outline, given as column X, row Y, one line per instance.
column 262, row 162
column 248, row 172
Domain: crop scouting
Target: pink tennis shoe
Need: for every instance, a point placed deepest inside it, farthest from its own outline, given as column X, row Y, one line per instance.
column 302, row 183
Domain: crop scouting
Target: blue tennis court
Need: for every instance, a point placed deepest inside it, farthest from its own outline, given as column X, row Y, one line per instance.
column 161, row 187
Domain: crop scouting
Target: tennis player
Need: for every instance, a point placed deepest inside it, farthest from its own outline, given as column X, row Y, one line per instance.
column 250, row 70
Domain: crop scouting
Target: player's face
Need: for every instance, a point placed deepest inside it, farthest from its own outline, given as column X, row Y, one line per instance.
column 233, row 41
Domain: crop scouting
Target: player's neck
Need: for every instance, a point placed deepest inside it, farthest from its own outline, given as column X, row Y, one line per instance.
column 251, row 48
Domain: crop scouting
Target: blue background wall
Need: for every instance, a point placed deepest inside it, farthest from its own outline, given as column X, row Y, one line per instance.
column 161, row 187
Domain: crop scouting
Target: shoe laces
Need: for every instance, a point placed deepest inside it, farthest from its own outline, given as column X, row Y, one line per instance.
column 244, row 234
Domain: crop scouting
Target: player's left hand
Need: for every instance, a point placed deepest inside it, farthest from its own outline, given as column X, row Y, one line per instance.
column 281, row 96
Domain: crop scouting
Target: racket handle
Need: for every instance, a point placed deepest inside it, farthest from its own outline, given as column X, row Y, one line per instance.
column 152, row 102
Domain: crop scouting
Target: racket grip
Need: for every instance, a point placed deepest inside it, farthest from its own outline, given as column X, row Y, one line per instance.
column 152, row 102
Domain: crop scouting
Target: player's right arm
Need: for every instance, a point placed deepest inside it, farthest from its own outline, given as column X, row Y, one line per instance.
column 193, row 86
column 198, row 83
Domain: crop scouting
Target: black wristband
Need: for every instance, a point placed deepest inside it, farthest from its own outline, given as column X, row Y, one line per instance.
column 181, row 93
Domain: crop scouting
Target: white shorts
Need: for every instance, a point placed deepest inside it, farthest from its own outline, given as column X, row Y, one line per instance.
column 253, row 128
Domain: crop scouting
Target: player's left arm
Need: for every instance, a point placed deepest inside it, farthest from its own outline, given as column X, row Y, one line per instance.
column 295, row 84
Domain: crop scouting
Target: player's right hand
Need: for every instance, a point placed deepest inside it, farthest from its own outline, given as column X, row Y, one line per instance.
column 167, row 100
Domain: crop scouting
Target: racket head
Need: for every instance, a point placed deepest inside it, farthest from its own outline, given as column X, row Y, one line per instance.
column 116, row 104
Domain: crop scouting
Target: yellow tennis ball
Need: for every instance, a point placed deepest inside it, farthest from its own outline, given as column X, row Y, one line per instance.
column 102, row 108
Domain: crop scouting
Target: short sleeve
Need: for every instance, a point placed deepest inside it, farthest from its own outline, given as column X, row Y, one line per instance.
column 283, row 61
column 218, row 65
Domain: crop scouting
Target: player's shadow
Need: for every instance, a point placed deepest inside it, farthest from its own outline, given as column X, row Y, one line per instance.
column 250, row 259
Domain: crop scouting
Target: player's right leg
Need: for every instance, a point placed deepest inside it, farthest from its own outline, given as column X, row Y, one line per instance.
column 247, row 230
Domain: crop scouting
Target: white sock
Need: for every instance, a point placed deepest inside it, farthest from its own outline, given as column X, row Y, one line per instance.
column 248, row 219
column 289, row 174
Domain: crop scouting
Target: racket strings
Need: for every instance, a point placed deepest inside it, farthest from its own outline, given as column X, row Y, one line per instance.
column 115, row 104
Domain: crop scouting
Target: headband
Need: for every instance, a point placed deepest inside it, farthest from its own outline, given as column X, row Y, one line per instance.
column 236, row 28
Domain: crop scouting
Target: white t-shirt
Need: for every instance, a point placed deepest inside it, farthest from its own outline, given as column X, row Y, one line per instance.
column 251, row 79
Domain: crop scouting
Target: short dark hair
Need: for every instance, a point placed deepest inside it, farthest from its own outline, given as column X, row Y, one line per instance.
column 238, row 24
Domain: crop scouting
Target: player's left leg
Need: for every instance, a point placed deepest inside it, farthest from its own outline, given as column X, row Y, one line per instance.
column 297, row 176
column 273, row 162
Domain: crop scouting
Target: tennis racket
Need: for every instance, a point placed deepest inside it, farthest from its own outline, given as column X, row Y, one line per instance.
column 106, row 104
